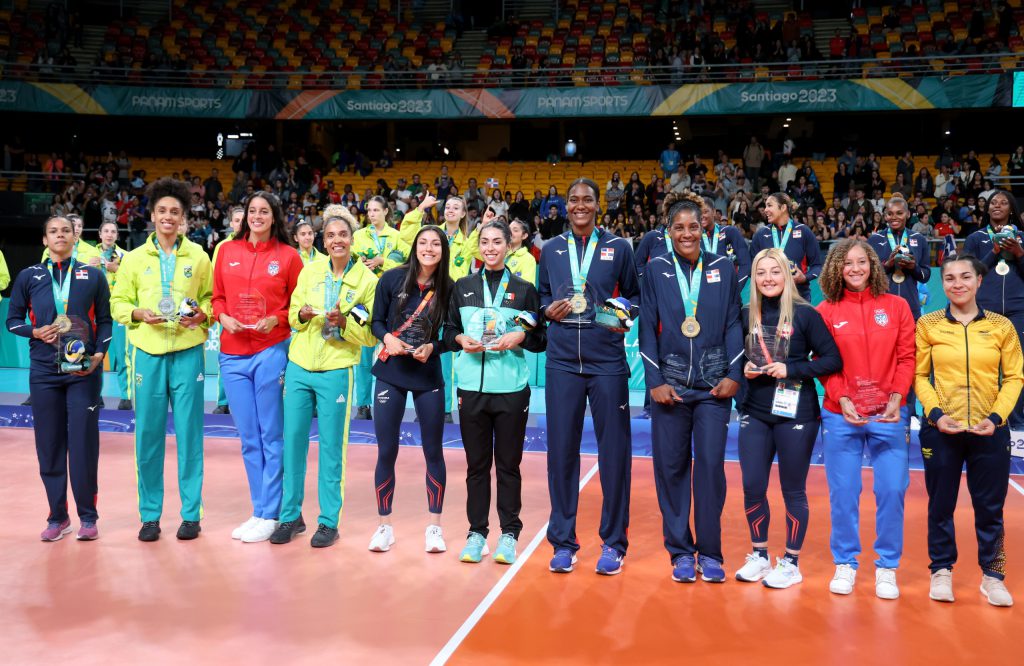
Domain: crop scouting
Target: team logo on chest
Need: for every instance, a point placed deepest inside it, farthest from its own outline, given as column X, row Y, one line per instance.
column 273, row 268
column 188, row 271
column 350, row 296
column 81, row 274
column 607, row 253
column 881, row 318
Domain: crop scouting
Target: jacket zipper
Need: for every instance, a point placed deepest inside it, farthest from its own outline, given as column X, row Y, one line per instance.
column 967, row 355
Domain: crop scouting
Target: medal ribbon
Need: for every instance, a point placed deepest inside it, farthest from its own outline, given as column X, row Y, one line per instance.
column 690, row 292
column 168, row 261
column 307, row 257
column 710, row 246
column 62, row 289
column 785, row 238
column 499, row 295
column 332, row 287
column 579, row 273
column 379, row 242
column 893, row 241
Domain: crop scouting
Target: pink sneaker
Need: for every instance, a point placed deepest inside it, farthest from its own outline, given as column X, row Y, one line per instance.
column 55, row 531
column 88, row 532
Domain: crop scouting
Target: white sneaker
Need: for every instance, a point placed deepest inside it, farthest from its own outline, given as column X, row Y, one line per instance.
column 885, row 584
column 435, row 540
column 382, row 539
column 842, row 582
column 995, row 591
column 243, row 528
column 941, row 587
column 261, row 531
column 755, row 568
column 785, row 574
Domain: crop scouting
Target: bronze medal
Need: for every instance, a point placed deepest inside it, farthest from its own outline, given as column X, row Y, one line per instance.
column 691, row 327
column 898, row 277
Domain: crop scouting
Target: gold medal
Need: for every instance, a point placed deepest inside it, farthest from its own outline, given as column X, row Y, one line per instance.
column 691, row 327
column 898, row 277
column 1002, row 267
column 578, row 303
column 63, row 323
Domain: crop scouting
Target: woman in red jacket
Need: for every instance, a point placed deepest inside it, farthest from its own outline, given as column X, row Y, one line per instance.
column 252, row 287
column 865, row 408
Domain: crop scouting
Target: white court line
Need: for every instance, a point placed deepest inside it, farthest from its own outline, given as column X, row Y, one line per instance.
column 1017, row 486
column 453, row 643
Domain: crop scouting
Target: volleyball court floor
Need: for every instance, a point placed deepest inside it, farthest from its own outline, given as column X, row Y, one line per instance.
column 219, row 601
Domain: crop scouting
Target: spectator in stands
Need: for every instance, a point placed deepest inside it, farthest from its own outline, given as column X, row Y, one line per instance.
column 669, row 160
column 787, row 173
column 919, row 222
column 497, row 203
column 519, row 209
column 554, row 224
column 402, row 196
column 946, row 226
column 696, row 167
column 905, row 166
column 1015, row 169
column 944, row 184
column 680, row 180
column 841, row 228
column 924, row 184
column 554, row 199
column 212, row 186
column 614, row 192
column 877, row 200
column 988, row 189
column 859, row 202
column 475, row 197
column 753, row 156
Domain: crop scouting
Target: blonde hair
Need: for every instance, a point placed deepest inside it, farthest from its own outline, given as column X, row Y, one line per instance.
column 787, row 302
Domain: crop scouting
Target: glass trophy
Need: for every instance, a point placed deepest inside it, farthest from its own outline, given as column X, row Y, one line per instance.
column 714, row 365
column 867, row 396
column 677, row 372
column 581, row 307
column 765, row 345
column 486, row 326
column 250, row 309
column 72, row 335
column 415, row 331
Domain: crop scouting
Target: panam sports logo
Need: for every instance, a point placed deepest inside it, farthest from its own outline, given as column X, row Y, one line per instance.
column 577, row 102
column 176, row 102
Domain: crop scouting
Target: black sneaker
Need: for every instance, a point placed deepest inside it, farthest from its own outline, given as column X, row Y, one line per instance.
column 28, row 402
column 222, row 409
column 150, row 531
column 324, row 537
column 285, row 532
column 189, row 530
column 448, row 417
column 125, row 405
column 364, row 414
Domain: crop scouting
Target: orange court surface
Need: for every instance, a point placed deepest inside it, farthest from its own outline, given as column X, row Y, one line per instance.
column 219, row 601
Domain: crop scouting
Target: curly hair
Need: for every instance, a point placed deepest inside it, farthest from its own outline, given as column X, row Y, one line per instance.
column 168, row 187
column 831, row 279
column 678, row 201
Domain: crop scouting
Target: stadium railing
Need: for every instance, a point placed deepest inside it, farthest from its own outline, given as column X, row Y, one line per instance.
column 902, row 67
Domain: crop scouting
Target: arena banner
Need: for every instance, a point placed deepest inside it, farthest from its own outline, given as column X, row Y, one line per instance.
column 974, row 91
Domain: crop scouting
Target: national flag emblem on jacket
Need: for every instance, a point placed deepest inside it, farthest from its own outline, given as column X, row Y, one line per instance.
column 81, row 274
column 881, row 318
column 492, row 183
column 607, row 253
column 273, row 268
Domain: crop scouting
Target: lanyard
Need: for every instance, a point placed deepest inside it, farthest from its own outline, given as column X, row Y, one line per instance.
column 108, row 255
column 579, row 273
column 419, row 308
column 785, row 238
column 379, row 242
column 893, row 241
column 307, row 257
column 499, row 295
column 332, row 287
column 168, row 261
column 668, row 241
column 691, row 292
column 62, row 289
column 710, row 246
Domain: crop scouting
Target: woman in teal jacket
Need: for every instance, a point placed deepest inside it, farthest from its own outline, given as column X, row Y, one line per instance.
column 492, row 318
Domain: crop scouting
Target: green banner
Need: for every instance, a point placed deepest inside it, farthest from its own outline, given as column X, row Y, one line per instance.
column 889, row 94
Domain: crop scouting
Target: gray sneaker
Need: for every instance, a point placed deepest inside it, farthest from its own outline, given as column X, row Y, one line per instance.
column 995, row 591
column 55, row 531
column 942, row 585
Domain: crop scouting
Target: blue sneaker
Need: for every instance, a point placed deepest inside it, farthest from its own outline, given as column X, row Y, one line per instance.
column 610, row 562
column 475, row 548
column 563, row 561
column 711, row 571
column 506, row 551
column 683, row 569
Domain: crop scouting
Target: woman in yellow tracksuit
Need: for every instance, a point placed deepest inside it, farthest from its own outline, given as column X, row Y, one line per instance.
column 380, row 247
column 304, row 236
column 330, row 311
column 520, row 262
column 110, row 262
column 968, row 380
column 463, row 247
column 162, row 295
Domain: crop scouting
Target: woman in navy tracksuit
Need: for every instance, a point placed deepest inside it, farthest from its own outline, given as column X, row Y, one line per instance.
column 779, row 412
column 578, row 272
column 54, row 294
column 691, row 342
column 420, row 287
column 795, row 239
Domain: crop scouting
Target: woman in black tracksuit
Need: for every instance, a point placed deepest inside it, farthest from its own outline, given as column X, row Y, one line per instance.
column 779, row 411
column 492, row 318
column 419, row 289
